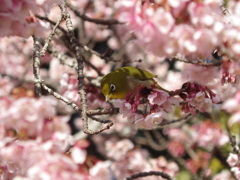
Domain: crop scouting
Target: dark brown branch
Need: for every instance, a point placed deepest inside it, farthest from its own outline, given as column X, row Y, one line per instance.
column 60, row 97
column 51, row 22
column 16, row 78
column 80, row 60
column 96, row 21
column 36, row 65
column 155, row 145
column 65, row 100
column 150, row 173
column 166, row 123
column 61, row 57
column 198, row 61
column 45, row 47
column 100, row 120
column 87, row 49
column 102, row 111
column 236, row 148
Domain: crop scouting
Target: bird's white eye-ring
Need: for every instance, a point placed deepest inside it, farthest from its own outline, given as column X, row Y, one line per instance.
column 112, row 87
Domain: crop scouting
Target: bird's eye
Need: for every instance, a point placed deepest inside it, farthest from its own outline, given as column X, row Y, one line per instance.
column 112, row 87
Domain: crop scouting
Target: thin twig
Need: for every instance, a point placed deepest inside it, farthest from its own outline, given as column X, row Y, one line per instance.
column 61, row 57
column 51, row 22
column 102, row 111
column 96, row 21
column 150, row 173
column 36, row 65
column 198, row 61
column 100, row 120
column 234, row 145
column 16, row 78
column 65, row 100
column 183, row 164
column 166, row 123
column 154, row 145
column 60, row 97
column 45, row 47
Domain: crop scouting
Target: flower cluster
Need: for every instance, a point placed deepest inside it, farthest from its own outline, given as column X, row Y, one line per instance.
column 232, row 106
column 173, row 131
column 18, row 19
column 11, row 58
column 190, row 28
column 69, row 89
column 25, row 159
column 31, row 117
column 210, row 135
column 97, row 10
column 207, row 135
column 230, row 72
column 126, row 162
column 146, row 108
column 197, row 97
column 233, row 161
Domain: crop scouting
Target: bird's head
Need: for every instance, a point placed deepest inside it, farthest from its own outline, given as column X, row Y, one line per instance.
column 114, row 86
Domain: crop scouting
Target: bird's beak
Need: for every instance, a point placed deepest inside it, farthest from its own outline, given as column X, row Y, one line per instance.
column 107, row 97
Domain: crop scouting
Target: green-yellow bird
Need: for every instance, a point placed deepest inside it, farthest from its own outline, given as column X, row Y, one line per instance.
column 119, row 83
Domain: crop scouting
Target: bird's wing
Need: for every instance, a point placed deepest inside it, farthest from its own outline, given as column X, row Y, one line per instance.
column 133, row 82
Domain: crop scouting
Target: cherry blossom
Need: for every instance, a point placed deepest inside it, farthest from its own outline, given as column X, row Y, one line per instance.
column 18, row 19
column 209, row 132
column 232, row 106
column 187, row 127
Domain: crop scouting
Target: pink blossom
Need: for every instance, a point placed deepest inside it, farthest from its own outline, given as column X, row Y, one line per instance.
column 119, row 149
column 236, row 172
column 185, row 42
column 163, row 21
column 232, row 159
column 161, row 164
column 72, row 95
column 197, row 97
column 55, row 167
column 134, row 118
column 207, row 37
column 33, row 117
column 14, row 52
column 222, row 175
column 232, row 106
column 235, row 118
column 128, row 166
column 17, row 17
column 63, row 73
column 33, row 159
column 210, row 133
column 201, row 161
column 151, row 120
column 124, row 108
column 78, row 155
column 209, row 76
column 142, row 18
column 176, row 148
column 158, row 97
column 158, row 103
column 101, row 171
column 200, row 102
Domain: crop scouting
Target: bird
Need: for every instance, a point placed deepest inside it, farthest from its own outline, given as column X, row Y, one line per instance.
column 119, row 83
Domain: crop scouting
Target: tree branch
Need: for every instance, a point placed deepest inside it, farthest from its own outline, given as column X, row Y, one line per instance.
column 96, row 21
column 80, row 61
column 36, row 65
column 150, row 173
